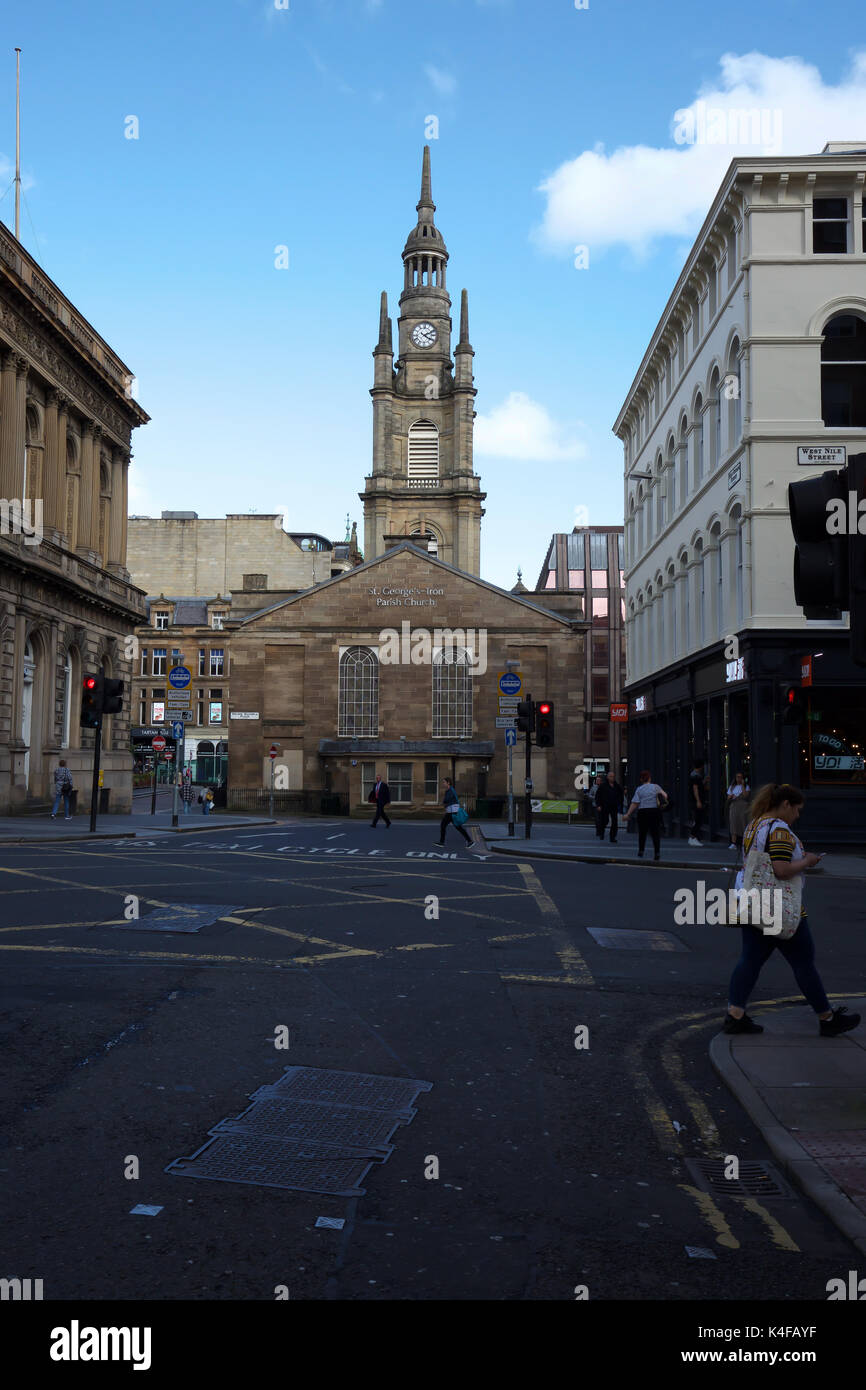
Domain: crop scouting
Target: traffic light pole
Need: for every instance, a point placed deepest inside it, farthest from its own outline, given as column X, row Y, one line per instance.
column 510, row 790
column 528, row 782
column 94, row 790
column 176, row 774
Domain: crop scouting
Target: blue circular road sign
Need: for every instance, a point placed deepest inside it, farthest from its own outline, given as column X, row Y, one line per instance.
column 179, row 677
column 510, row 684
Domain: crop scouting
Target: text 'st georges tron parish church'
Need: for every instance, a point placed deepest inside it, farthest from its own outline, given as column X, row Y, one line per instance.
column 318, row 675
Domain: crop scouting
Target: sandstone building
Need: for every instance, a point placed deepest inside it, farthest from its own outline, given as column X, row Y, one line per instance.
column 67, row 605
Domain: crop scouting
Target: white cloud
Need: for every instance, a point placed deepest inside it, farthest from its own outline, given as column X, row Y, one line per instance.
column 444, row 82
column 638, row 193
column 520, row 428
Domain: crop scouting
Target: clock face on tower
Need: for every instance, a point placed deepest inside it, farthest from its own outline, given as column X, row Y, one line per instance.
column 424, row 335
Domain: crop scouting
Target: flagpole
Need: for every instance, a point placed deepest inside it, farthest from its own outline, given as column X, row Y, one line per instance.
column 18, row 144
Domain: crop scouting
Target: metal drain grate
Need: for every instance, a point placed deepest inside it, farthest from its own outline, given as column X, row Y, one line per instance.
column 761, row 1180
column 311, row 1122
column 623, row 939
column 261, row 1162
column 355, row 1088
column 180, row 917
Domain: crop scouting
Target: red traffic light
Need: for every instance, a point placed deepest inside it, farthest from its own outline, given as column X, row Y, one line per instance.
column 792, row 694
column 544, row 709
column 90, row 683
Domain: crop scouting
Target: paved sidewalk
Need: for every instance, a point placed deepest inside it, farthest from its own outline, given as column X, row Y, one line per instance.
column 579, row 842
column 807, row 1096
column 139, row 824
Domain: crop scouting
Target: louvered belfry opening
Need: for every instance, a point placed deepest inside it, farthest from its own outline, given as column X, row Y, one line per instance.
column 423, row 450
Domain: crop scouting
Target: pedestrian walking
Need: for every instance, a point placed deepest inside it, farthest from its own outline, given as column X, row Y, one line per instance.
column 454, row 815
column 207, row 801
column 737, row 806
column 600, row 817
column 381, row 797
column 187, row 794
column 609, row 797
column 63, row 788
column 775, row 810
column 649, row 800
column 697, row 804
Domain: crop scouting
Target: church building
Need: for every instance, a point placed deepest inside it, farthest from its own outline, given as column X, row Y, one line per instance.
column 393, row 668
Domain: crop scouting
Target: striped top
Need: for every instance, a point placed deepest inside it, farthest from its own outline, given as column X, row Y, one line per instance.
column 777, row 838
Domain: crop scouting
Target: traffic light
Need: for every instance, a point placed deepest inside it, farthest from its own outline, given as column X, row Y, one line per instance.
column 820, row 553
column 857, row 558
column 112, row 702
column 92, row 694
column 525, row 716
column 793, row 705
column 544, row 725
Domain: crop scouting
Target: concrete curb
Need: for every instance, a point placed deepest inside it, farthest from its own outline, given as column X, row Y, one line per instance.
column 529, row 852
column 205, row 829
column 800, row 1166
column 66, row 839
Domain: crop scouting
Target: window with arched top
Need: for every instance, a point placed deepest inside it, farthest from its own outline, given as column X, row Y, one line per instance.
column 739, row 572
column 734, row 391
column 843, row 372
column 423, row 454
column 699, row 438
column 358, row 697
column 716, row 398
column 452, row 693
column 701, row 593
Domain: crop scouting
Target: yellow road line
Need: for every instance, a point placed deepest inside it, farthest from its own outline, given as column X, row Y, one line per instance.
column 778, row 1234
column 713, row 1217
column 576, row 970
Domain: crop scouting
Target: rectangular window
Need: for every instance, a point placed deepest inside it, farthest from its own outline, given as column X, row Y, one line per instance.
column 600, row 690
column 599, row 612
column 620, row 558
column 830, row 226
column 598, row 553
column 431, row 781
column 160, row 618
column 599, row 579
column 400, row 781
column 575, row 579
column 599, row 732
column 145, row 652
column 202, row 657
column 216, row 695
column 216, row 621
column 159, row 660
column 834, row 734
column 217, row 661
column 142, row 713
column 600, row 651
column 215, row 712
column 199, row 708
column 157, row 712
column 368, row 779
column 551, row 580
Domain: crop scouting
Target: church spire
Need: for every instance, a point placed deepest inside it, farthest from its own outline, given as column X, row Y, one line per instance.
column 426, row 199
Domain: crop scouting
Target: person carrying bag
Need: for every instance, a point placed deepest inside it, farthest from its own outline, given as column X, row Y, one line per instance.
column 63, row 788
column 774, row 863
column 454, row 815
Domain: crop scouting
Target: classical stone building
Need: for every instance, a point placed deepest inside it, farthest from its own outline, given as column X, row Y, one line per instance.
column 67, row 605
column 393, row 668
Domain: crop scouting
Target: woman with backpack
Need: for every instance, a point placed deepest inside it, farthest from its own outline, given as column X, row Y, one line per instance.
column 454, row 815
column 775, row 810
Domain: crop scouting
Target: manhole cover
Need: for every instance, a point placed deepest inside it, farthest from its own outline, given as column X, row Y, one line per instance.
column 761, row 1180
column 355, row 1088
column 242, row 1158
column 622, row 939
column 303, row 1121
column 180, row 917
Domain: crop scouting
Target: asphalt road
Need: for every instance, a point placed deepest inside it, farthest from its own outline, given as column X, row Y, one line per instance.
column 558, row 1166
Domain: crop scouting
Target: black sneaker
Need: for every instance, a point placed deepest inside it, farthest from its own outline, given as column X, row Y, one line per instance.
column 841, row 1022
column 741, row 1025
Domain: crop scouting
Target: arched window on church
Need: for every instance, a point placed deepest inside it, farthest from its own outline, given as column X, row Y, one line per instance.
column 358, row 702
column 452, row 693
column 423, row 461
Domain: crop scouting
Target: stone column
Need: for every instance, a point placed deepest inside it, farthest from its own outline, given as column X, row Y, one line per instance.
column 22, row 368
column 124, row 510
column 85, row 492
column 62, row 438
column 96, row 481
column 8, row 471
column 52, row 476
column 115, row 554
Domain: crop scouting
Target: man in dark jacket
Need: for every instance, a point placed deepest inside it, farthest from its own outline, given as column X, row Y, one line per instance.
column 381, row 795
column 600, row 817
column 609, row 802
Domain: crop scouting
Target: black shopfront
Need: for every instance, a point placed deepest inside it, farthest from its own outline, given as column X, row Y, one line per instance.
column 731, row 715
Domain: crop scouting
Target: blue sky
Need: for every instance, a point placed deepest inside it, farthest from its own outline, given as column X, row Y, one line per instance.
column 303, row 126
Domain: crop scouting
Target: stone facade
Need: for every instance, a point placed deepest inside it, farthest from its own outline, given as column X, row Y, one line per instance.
column 67, row 606
column 286, row 669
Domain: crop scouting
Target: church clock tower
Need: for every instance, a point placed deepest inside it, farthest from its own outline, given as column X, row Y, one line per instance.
column 422, row 483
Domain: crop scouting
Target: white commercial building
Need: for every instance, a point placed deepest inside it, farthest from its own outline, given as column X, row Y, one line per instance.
column 754, row 377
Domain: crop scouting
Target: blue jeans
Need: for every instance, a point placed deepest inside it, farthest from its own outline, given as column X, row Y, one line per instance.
column 799, row 952
column 63, row 795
